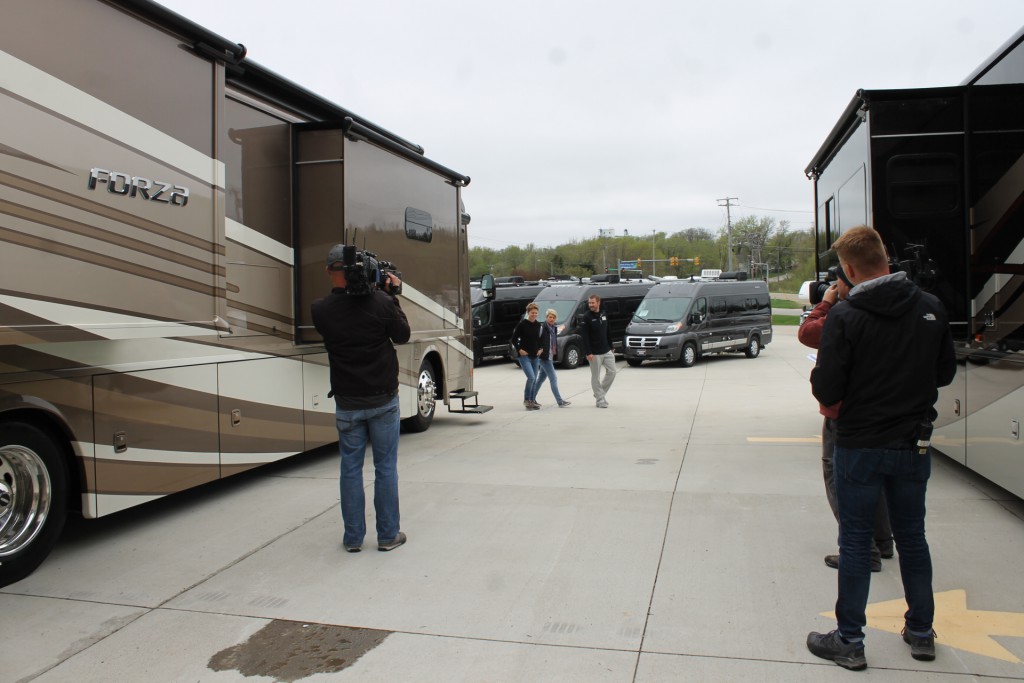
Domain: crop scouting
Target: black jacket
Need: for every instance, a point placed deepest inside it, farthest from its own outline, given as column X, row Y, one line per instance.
column 530, row 337
column 884, row 353
column 359, row 333
column 595, row 333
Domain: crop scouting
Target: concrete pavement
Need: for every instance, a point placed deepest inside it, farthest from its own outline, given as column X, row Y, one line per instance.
column 676, row 536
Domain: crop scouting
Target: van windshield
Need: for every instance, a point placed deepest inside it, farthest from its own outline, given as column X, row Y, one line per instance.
column 564, row 308
column 662, row 309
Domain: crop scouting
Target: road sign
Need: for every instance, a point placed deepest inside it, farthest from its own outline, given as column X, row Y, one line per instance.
column 627, row 264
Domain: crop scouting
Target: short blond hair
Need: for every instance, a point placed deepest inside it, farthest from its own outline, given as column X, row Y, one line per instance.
column 532, row 307
column 551, row 311
column 862, row 248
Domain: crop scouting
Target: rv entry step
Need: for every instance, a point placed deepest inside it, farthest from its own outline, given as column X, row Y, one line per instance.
column 463, row 396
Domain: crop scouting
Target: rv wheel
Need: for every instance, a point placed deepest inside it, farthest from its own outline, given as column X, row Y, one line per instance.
column 571, row 357
column 426, row 400
column 33, row 499
column 753, row 347
column 689, row 355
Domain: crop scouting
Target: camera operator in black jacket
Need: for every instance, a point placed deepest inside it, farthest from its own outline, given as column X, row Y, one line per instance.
column 884, row 352
column 360, row 325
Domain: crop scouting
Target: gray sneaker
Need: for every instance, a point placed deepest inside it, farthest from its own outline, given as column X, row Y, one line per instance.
column 393, row 543
column 562, row 404
column 921, row 647
column 602, row 403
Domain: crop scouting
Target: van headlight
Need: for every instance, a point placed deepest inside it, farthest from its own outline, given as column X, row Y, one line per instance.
column 674, row 327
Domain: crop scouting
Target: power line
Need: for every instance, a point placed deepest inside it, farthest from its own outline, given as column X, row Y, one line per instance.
column 758, row 208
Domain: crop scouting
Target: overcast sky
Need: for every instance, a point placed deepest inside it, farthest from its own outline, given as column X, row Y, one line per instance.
column 570, row 116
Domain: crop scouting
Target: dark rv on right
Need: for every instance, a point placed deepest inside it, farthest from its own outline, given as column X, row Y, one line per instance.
column 939, row 172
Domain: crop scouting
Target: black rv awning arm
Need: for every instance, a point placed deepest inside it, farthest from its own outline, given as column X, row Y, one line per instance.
column 839, row 134
column 356, row 130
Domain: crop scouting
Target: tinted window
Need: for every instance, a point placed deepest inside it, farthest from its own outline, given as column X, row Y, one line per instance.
column 418, row 225
column 922, row 183
column 662, row 309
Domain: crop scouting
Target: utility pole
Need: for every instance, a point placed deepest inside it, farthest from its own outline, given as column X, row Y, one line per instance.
column 728, row 221
column 654, row 264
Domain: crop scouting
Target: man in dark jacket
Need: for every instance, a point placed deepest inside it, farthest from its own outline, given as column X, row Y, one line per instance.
column 596, row 337
column 883, row 354
column 359, row 332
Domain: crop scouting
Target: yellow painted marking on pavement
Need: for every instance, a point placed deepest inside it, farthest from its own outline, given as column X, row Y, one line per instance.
column 958, row 627
column 784, row 439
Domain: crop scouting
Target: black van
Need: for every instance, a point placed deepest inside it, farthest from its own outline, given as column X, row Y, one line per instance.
column 618, row 301
column 686, row 319
column 495, row 317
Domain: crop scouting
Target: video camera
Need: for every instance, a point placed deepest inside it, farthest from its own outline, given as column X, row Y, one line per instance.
column 364, row 272
column 923, row 271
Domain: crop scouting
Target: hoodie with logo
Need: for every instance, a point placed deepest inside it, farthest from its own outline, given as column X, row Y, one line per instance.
column 884, row 353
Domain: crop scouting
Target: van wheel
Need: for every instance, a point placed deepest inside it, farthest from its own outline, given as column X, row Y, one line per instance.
column 33, row 499
column 571, row 357
column 753, row 349
column 426, row 400
column 634, row 362
column 689, row 355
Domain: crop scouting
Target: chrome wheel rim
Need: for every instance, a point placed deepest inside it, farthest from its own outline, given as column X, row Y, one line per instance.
column 425, row 400
column 25, row 495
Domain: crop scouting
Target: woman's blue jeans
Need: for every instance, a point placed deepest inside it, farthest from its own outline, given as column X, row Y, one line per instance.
column 547, row 371
column 861, row 475
column 379, row 427
column 529, row 366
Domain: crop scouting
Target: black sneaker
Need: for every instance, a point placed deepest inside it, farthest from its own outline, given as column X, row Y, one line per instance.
column 833, row 561
column 921, row 647
column 353, row 548
column 832, row 646
column 393, row 543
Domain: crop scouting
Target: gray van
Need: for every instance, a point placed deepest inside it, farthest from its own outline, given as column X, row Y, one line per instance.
column 618, row 301
column 683, row 320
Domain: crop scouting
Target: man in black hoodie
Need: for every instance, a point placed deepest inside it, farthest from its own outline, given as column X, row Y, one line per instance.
column 883, row 355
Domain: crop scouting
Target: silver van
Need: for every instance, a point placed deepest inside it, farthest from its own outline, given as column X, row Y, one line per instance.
column 683, row 320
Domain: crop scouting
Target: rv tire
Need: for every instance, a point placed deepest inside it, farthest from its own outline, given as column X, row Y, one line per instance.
column 33, row 499
column 753, row 349
column 426, row 400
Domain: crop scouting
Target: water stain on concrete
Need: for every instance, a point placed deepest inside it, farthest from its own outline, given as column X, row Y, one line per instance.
column 290, row 650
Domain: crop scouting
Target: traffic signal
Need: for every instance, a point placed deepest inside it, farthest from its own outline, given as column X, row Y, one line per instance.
column 696, row 260
column 674, row 261
column 639, row 262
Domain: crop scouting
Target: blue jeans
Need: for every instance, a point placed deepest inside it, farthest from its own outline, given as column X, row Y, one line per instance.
column 380, row 427
column 861, row 475
column 547, row 371
column 529, row 366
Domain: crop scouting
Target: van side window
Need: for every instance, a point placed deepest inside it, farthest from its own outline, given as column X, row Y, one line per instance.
column 611, row 306
column 737, row 304
column 718, row 306
column 483, row 314
column 511, row 311
column 701, row 307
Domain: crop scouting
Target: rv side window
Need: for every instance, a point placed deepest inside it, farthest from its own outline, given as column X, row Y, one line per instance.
column 418, row 225
column 611, row 307
column 718, row 306
column 736, row 304
column 922, row 184
column 701, row 307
